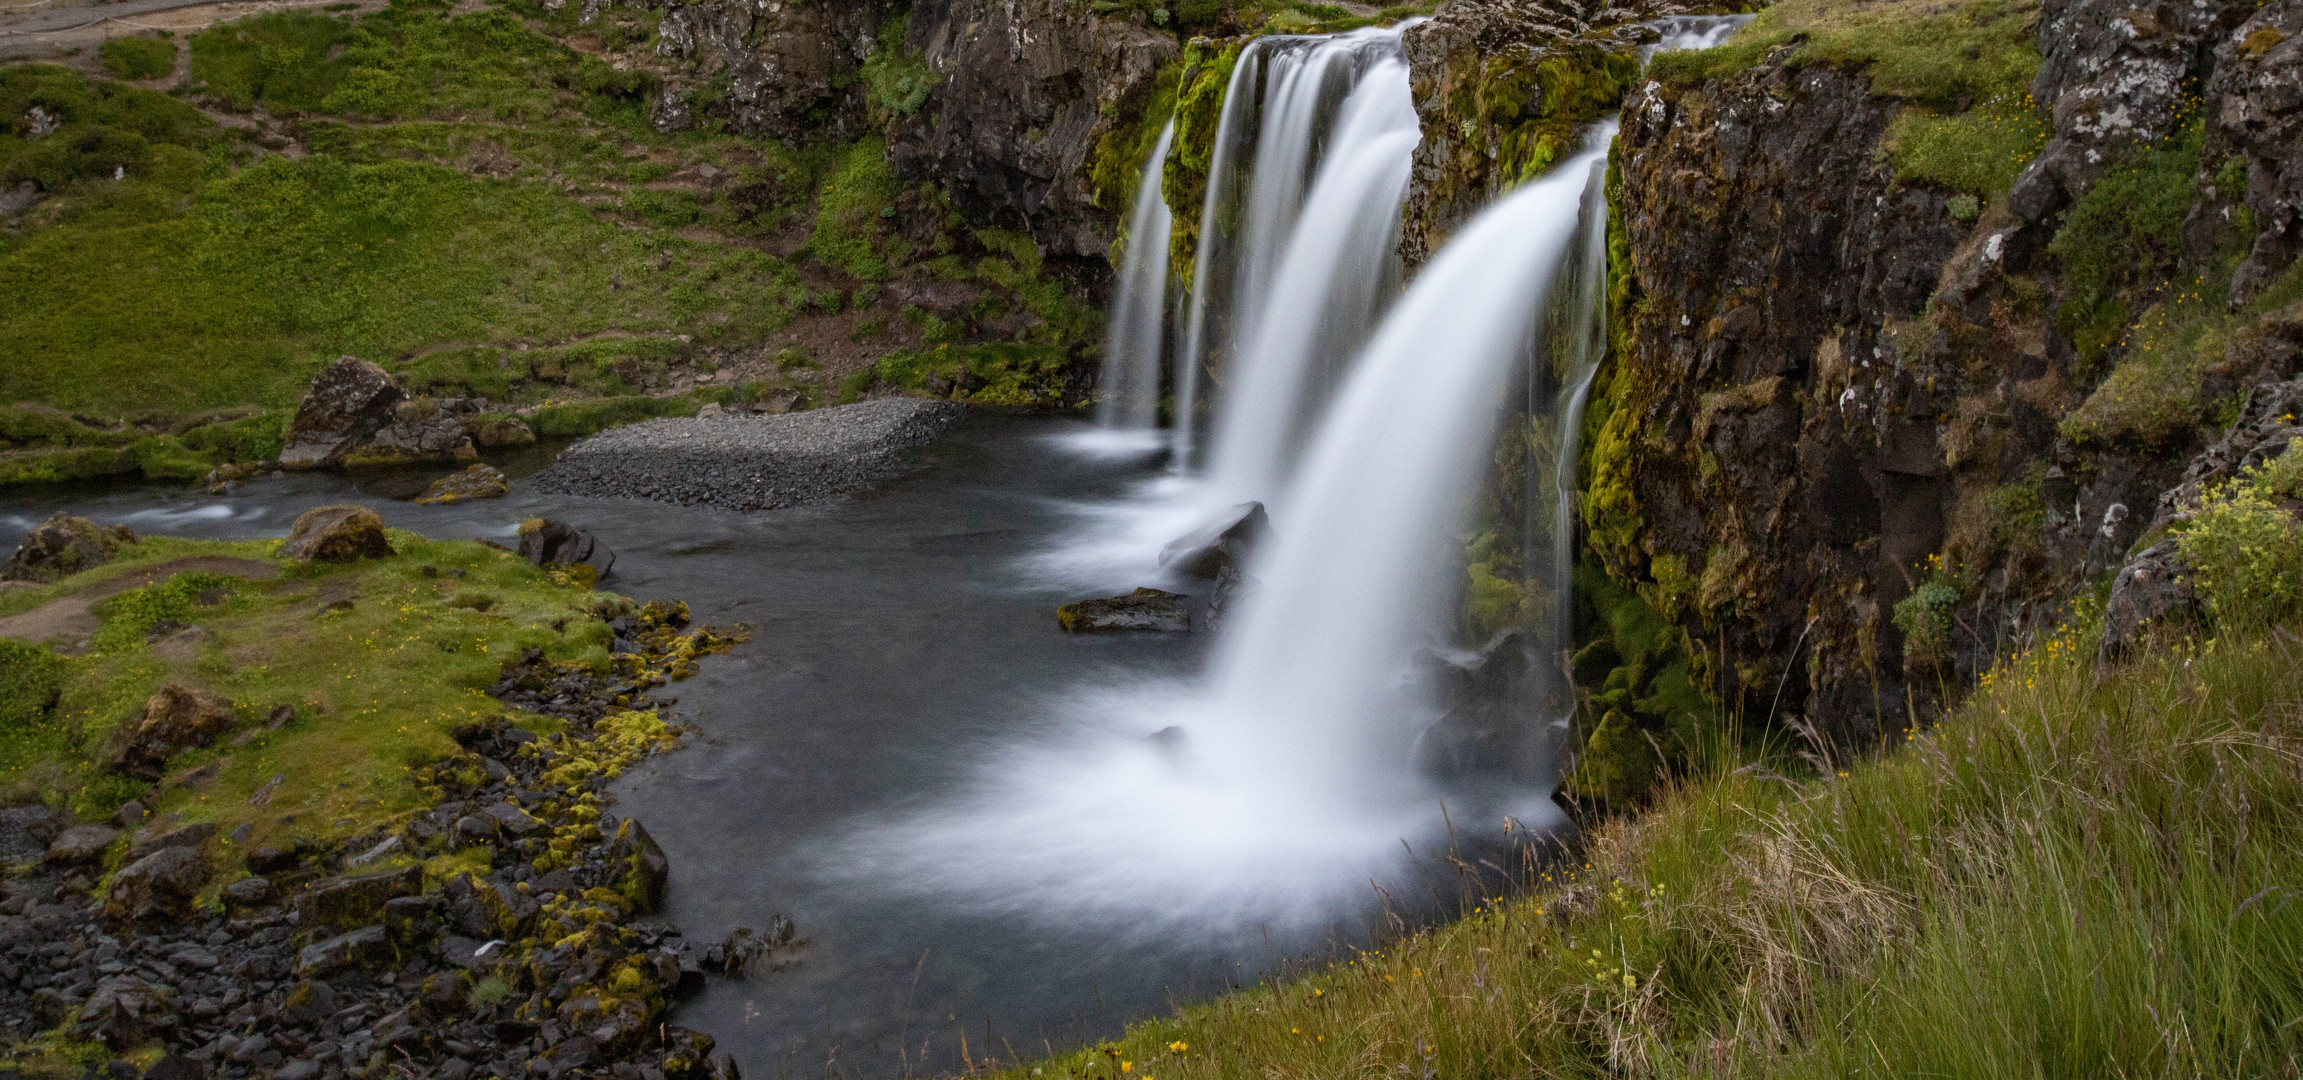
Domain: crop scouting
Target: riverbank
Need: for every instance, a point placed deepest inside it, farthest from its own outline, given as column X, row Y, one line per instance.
column 279, row 817
column 2088, row 872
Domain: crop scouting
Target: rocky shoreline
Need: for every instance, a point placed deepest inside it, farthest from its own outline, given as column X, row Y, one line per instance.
column 739, row 462
column 540, row 953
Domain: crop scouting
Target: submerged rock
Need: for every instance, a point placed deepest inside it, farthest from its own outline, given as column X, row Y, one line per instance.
column 62, row 546
column 347, row 402
column 337, row 534
column 475, row 482
column 548, row 543
column 1207, row 551
column 1143, row 609
column 175, row 719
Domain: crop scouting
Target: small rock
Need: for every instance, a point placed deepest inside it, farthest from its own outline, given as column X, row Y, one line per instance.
column 639, row 867
column 153, row 838
column 1144, row 609
column 125, row 1011
column 130, row 815
column 175, row 719
column 513, row 819
column 475, row 482
column 158, row 888
column 248, row 892
column 367, row 945
column 276, row 858
column 62, row 546
column 337, row 534
column 1204, row 552
column 174, row 1067
column 389, row 845
column 489, row 432
column 81, row 844
column 347, row 902
column 544, row 542
column 2153, row 589
column 299, row 1069
column 476, row 829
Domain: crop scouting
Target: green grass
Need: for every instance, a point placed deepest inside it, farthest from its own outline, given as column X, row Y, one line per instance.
column 1946, row 56
column 376, row 688
column 1979, row 152
column 2122, row 238
column 852, row 208
column 2071, row 876
column 139, row 57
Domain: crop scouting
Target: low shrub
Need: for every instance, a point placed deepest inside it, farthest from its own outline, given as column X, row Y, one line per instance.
column 138, row 57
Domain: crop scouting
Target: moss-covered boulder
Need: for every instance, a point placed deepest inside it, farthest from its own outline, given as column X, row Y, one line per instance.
column 62, row 546
column 337, row 534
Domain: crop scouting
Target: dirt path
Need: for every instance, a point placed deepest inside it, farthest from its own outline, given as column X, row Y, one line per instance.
column 73, row 618
column 42, row 29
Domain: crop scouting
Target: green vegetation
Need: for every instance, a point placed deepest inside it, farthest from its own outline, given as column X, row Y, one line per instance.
column 1947, row 57
column 1643, row 709
column 2073, row 875
column 139, row 57
column 852, row 209
column 899, row 78
column 2121, row 239
column 1204, row 74
column 1978, row 153
column 2241, row 544
column 378, row 661
column 2156, row 396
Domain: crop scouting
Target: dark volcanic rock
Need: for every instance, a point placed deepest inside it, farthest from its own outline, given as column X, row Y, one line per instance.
column 1022, row 91
column 639, row 866
column 783, row 70
column 1220, row 544
column 1143, row 609
column 350, row 902
column 475, row 482
column 2257, row 115
column 64, row 545
column 347, row 402
column 175, row 719
column 81, row 843
column 2152, row 590
column 751, row 462
column 545, row 542
column 337, row 534
column 159, row 888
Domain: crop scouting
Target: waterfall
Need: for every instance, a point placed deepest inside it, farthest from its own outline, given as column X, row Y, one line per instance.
column 1133, row 349
column 1271, row 790
column 1274, row 136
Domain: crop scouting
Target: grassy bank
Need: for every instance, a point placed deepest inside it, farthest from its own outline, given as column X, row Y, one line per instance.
column 346, row 681
column 2075, row 874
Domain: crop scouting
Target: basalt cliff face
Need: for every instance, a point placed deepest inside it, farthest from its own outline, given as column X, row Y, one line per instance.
column 1865, row 430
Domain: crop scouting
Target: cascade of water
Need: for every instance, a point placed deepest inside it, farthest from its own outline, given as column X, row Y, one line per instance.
column 1325, row 290
column 1283, row 102
column 1133, row 350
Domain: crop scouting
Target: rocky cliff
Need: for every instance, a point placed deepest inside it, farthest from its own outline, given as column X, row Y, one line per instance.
column 1918, row 313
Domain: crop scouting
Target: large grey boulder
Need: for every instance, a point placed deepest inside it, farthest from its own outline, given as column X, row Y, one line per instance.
column 349, row 401
column 156, row 890
column 81, row 844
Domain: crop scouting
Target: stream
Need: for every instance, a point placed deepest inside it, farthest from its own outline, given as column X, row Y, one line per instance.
column 898, row 639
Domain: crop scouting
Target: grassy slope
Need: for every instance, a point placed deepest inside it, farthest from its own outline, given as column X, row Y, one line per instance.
column 2070, row 876
column 376, row 688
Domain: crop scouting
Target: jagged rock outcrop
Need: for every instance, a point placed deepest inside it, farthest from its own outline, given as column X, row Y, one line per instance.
column 1837, row 385
column 1021, row 92
column 782, row 69
column 2255, row 123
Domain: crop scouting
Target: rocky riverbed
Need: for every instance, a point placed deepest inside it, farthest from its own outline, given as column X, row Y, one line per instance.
column 740, row 462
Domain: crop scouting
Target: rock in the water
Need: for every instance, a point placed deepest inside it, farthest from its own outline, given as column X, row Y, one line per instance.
column 548, row 543
column 1206, row 551
column 1143, row 609
column 175, row 719
column 2153, row 589
column 81, row 843
column 158, row 888
column 62, row 546
column 639, row 866
column 367, row 945
column 475, row 482
column 337, row 534
column 350, row 400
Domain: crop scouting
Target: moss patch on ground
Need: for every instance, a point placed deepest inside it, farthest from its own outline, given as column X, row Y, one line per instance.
column 1948, row 57
column 376, row 663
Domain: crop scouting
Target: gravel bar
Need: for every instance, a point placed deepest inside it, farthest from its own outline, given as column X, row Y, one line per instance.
column 751, row 462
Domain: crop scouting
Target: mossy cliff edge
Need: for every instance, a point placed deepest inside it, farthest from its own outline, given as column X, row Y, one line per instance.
column 1918, row 312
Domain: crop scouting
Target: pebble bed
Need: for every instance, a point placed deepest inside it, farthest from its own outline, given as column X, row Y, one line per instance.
column 739, row 462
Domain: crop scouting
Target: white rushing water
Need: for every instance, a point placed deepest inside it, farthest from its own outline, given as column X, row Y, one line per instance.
column 1276, row 134
column 1135, row 346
